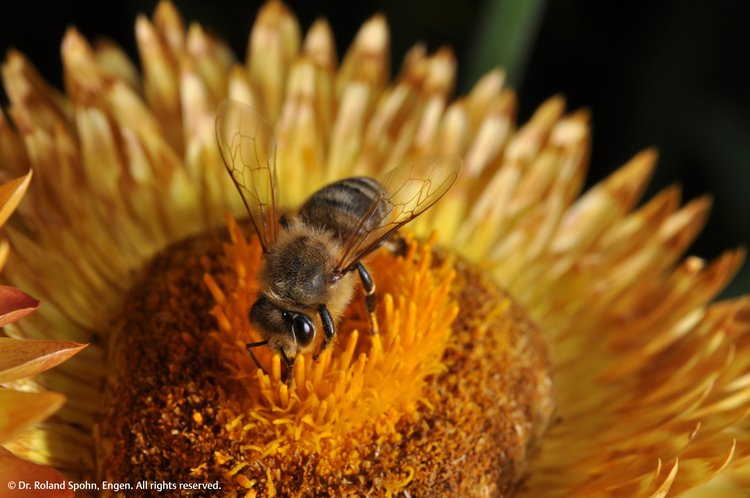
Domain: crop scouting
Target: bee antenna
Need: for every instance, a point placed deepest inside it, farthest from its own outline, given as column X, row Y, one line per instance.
column 250, row 347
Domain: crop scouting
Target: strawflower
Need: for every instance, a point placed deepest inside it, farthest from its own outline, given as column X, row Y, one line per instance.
column 533, row 340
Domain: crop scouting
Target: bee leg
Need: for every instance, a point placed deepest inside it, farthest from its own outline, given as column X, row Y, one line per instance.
column 370, row 302
column 289, row 368
column 250, row 347
column 396, row 244
column 328, row 330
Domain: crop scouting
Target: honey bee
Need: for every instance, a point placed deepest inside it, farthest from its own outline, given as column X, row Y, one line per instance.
column 310, row 258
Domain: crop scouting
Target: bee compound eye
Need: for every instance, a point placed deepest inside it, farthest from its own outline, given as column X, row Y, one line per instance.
column 303, row 330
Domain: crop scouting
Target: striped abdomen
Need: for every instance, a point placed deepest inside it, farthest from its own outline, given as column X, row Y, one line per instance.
column 338, row 206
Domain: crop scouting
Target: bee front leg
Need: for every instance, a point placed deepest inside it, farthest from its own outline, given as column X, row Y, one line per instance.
column 289, row 367
column 328, row 329
column 370, row 302
column 250, row 347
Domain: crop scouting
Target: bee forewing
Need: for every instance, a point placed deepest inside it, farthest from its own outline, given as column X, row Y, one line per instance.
column 248, row 147
column 416, row 186
column 410, row 190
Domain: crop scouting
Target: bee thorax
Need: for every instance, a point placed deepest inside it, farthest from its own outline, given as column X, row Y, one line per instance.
column 299, row 268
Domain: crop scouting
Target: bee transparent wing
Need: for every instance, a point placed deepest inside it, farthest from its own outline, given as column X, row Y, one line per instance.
column 409, row 191
column 248, row 147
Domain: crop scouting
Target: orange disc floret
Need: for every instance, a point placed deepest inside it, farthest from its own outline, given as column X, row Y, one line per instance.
column 361, row 376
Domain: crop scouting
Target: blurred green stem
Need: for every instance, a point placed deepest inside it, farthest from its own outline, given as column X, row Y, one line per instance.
column 504, row 37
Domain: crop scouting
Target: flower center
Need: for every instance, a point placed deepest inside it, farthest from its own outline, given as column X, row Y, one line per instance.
column 361, row 376
column 454, row 390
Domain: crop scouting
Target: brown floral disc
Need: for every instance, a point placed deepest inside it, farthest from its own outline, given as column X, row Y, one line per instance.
column 451, row 398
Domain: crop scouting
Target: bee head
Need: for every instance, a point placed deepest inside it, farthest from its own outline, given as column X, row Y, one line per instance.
column 289, row 331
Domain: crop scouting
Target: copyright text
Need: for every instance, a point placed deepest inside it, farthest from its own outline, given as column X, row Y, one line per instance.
column 115, row 487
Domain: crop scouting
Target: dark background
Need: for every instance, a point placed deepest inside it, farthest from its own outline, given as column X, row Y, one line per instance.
column 671, row 74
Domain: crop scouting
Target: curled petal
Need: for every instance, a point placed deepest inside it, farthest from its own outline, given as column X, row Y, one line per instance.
column 22, row 410
column 20, row 358
column 14, row 304
column 14, row 470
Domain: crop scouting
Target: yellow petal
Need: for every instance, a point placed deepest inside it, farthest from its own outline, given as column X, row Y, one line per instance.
column 11, row 194
column 368, row 59
column 160, row 78
column 170, row 26
column 212, row 60
column 21, row 410
column 114, row 62
column 4, row 251
column 320, row 45
column 485, row 90
column 21, row 358
column 34, row 103
column 83, row 79
column 13, row 154
column 274, row 43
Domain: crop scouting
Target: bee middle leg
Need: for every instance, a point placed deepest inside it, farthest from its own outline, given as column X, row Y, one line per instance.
column 370, row 301
column 328, row 329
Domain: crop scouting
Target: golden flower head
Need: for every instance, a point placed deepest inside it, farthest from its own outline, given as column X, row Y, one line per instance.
column 122, row 239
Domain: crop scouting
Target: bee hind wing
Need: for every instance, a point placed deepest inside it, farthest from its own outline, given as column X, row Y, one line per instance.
column 248, row 147
column 409, row 190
